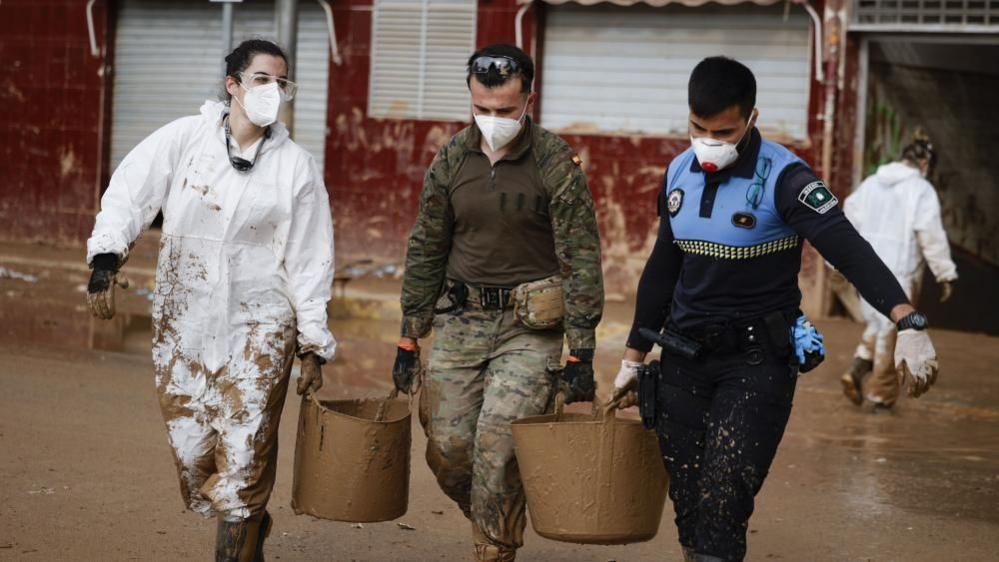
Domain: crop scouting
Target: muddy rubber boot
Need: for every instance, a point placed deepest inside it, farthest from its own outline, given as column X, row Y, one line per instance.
column 242, row 541
column 486, row 551
column 493, row 553
column 852, row 379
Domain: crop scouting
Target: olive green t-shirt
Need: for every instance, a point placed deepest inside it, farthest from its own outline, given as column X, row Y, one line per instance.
column 502, row 231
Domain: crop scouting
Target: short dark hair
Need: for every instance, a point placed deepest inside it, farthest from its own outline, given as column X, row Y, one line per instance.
column 242, row 57
column 718, row 83
column 493, row 78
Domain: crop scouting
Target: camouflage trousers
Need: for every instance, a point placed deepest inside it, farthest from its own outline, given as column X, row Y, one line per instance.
column 223, row 425
column 485, row 370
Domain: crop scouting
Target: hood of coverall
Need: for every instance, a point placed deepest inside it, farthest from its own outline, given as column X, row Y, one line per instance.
column 896, row 172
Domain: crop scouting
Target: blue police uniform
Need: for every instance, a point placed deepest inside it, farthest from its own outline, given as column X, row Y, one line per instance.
column 722, row 278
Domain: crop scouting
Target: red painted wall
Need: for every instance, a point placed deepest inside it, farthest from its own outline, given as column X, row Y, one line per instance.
column 374, row 167
column 50, row 119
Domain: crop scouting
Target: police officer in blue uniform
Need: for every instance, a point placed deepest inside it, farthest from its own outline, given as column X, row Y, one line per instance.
column 720, row 295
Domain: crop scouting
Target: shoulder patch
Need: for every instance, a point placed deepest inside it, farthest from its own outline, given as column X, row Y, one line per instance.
column 577, row 160
column 817, row 197
column 674, row 201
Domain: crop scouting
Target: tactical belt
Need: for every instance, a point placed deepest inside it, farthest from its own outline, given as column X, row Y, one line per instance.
column 491, row 298
column 770, row 331
column 488, row 298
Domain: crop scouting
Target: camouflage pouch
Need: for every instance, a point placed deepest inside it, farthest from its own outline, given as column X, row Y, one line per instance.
column 539, row 304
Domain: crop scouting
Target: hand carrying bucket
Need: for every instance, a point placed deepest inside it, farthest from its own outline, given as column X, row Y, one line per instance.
column 592, row 479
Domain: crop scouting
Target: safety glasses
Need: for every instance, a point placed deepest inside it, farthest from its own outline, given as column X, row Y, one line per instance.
column 287, row 87
column 504, row 66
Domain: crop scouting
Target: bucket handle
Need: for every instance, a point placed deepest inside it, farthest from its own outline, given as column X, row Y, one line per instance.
column 417, row 386
column 383, row 407
column 600, row 412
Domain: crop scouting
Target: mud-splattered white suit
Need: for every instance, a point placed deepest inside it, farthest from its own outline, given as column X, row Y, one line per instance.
column 898, row 212
column 244, row 276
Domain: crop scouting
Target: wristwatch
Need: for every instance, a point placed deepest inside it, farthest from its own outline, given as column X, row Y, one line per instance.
column 913, row 321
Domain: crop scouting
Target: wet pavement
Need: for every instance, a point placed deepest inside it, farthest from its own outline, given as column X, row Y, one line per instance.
column 86, row 474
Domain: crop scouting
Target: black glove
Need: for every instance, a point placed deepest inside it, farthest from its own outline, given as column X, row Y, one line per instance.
column 577, row 377
column 100, row 289
column 407, row 364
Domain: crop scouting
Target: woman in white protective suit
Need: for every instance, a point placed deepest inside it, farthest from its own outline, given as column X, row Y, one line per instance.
column 244, row 276
column 898, row 212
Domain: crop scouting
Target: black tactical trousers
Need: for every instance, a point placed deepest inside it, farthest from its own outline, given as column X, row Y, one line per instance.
column 721, row 419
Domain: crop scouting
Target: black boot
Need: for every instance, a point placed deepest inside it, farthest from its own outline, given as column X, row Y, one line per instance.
column 853, row 378
column 242, row 541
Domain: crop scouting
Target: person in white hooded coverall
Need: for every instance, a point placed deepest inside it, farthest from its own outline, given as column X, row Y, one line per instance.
column 244, row 276
column 898, row 212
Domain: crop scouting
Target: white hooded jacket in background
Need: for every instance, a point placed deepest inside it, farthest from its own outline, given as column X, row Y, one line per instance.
column 237, row 249
column 898, row 212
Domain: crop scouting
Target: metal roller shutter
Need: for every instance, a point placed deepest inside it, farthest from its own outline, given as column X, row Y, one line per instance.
column 625, row 69
column 168, row 61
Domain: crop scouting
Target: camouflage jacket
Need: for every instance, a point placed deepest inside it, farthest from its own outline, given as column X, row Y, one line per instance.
column 573, row 221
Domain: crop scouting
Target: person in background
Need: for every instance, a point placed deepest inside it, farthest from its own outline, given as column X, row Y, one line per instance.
column 898, row 212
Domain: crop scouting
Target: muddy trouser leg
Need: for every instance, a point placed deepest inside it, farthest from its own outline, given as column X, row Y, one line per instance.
column 452, row 398
column 518, row 383
column 723, row 420
column 249, row 396
column 180, row 383
column 883, row 387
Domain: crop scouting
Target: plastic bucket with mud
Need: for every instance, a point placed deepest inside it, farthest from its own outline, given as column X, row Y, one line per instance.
column 591, row 478
column 352, row 459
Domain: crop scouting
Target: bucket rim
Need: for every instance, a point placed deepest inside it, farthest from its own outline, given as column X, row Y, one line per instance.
column 388, row 421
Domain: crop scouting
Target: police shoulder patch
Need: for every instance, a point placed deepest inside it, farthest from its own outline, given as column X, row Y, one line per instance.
column 817, row 197
column 674, row 201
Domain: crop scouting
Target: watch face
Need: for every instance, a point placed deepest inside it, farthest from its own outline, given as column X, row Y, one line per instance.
column 918, row 321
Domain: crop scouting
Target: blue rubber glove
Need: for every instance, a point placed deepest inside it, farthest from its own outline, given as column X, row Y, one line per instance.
column 808, row 344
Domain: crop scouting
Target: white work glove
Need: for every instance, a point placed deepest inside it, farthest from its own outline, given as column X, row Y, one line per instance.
column 916, row 361
column 627, row 377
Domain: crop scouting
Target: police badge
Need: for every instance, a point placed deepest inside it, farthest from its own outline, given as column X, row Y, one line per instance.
column 674, row 201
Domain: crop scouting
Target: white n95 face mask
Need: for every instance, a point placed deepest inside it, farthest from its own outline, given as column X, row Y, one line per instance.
column 499, row 131
column 261, row 103
column 714, row 155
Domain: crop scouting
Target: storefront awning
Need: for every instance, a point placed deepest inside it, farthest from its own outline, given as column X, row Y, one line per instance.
column 659, row 3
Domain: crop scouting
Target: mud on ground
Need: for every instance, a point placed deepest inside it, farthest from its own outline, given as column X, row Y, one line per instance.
column 86, row 474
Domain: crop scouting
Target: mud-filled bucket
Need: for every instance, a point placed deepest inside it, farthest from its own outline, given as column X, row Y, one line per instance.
column 352, row 459
column 591, row 478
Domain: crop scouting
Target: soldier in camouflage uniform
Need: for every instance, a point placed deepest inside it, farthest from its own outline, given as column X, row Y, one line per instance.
column 504, row 208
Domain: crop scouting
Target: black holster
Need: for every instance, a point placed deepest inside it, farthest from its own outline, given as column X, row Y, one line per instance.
column 648, row 393
column 457, row 294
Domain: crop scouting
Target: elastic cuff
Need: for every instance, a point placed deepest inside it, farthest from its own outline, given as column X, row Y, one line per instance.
column 416, row 327
column 581, row 339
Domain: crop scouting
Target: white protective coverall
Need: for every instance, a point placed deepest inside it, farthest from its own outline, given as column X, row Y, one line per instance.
column 898, row 212
column 244, row 276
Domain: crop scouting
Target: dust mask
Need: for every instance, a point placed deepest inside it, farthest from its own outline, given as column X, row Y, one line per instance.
column 261, row 103
column 499, row 131
column 714, row 155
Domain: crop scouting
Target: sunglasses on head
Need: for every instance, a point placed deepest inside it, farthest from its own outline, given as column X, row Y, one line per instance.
column 504, row 66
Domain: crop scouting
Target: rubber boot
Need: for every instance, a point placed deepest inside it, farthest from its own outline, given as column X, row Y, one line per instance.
column 486, row 551
column 706, row 558
column 242, row 541
column 688, row 554
column 852, row 379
